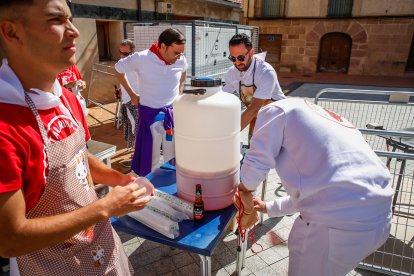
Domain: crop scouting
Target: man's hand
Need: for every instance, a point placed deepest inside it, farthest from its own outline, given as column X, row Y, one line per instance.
column 127, row 179
column 77, row 84
column 259, row 205
column 135, row 99
column 122, row 200
column 81, row 84
column 241, row 187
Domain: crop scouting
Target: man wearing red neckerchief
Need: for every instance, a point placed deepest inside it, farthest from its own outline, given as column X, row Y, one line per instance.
column 162, row 72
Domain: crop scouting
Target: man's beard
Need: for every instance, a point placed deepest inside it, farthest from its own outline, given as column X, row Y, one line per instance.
column 244, row 67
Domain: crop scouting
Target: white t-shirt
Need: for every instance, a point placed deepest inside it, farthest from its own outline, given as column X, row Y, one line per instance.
column 265, row 80
column 133, row 81
column 330, row 173
column 159, row 83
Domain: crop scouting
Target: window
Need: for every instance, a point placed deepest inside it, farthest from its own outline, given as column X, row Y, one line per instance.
column 340, row 8
column 270, row 8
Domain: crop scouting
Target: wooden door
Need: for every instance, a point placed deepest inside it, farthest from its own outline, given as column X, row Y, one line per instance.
column 410, row 61
column 335, row 52
column 272, row 43
column 102, row 30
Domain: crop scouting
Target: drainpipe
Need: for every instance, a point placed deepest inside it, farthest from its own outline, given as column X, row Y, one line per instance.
column 139, row 16
column 247, row 15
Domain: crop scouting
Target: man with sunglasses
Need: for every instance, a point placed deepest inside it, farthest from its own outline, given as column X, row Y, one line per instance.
column 161, row 73
column 129, row 112
column 253, row 79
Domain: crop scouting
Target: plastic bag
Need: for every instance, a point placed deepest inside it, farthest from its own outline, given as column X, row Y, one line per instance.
column 161, row 206
column 157, row 222
column 176, row 202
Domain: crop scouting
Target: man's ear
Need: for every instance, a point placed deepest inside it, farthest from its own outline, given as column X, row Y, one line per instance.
column 9, row 31
column 251, row 51
column 163, row 47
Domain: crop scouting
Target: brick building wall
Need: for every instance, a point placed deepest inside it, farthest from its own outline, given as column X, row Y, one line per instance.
column 380, row 46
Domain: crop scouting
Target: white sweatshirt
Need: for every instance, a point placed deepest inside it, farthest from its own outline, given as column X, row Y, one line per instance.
column 329, row 172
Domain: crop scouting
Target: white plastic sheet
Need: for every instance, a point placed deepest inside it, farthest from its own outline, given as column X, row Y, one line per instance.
column 176, row 203
column 161, row 206
column 157, row 222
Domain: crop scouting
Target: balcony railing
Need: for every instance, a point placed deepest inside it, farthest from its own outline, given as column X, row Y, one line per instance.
column 340, row 8
column 269, row 8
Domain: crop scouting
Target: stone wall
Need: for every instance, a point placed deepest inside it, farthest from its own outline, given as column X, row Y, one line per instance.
column 380, row 46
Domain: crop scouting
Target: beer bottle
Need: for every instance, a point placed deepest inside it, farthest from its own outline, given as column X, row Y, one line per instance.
column 198, row 204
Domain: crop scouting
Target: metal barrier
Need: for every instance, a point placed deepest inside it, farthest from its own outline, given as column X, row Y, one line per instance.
column 102, row 77
column 386, row 120
column 396, row 256
column 377, row 109
column 207, row 46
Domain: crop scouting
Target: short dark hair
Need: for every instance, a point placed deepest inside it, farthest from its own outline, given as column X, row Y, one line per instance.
column 170, row 36
column 15, row 2
column 128, row 42
column 241, row 38
column 7, row 5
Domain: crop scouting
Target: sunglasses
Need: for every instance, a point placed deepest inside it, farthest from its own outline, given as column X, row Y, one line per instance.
column 240, row 58
column 125, row 53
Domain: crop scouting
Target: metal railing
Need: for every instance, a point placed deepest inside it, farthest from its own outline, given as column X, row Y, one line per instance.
column 386, row 110
column 386, row 120
column 206, row 46
column 396, row 255
column 102, row 77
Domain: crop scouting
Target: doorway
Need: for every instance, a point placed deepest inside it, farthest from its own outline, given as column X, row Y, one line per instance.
column 410, row 61
column 272, row 43
column 335, row 52
column 102, row 30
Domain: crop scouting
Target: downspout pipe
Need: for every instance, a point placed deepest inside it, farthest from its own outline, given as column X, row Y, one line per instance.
column 139, row 7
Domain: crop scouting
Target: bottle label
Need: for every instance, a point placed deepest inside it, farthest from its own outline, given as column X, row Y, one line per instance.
column 198, row 214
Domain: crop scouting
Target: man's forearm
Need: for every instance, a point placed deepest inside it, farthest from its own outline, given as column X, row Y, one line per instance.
column 251, row 112
column 247, row 117
column 38, row 233
column 182, row 82
column 103, row 174
column 123, row 80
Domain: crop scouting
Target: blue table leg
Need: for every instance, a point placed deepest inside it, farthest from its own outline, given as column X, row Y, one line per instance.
column 205, row 265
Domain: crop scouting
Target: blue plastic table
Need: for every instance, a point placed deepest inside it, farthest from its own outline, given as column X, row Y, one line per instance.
column 196, row 237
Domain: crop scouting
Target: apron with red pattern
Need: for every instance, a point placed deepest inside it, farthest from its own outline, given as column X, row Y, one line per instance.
column 96, row 250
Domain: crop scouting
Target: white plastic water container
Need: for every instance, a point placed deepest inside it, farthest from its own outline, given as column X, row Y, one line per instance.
column 207, row 143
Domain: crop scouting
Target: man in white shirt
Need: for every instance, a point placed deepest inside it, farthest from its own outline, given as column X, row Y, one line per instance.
column 253, row 79
column 129, row 111
column 161, row 72
column 331, row 176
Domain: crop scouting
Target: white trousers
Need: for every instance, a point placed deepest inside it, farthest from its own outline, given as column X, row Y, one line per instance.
column 319, row 250
column 158, row 138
